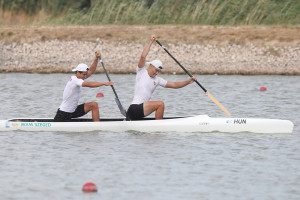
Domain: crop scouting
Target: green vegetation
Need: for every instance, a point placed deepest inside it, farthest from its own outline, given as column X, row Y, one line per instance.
column 193, row 12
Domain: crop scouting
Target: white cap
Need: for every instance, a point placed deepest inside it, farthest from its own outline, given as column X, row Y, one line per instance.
column 156, row 63
column 81, row 68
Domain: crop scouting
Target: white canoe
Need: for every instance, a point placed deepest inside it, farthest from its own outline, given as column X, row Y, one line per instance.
column 199, row 123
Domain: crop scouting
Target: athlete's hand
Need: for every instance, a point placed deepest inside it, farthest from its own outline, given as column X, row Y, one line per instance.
column 153, row 37
column 97, row 53
column 192, row 79
column 109, row 83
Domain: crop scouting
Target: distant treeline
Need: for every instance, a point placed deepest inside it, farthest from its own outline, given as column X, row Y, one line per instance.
column 144, row 12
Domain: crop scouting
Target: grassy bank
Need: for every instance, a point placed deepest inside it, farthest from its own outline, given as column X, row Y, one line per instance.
column 135, row 12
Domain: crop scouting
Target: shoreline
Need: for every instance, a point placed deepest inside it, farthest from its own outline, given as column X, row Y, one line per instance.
column 201, row 49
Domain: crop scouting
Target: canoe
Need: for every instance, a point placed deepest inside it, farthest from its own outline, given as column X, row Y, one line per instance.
column 197, row 124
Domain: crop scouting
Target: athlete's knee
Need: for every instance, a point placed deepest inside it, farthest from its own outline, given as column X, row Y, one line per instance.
column 94, row 105
column 161, row 104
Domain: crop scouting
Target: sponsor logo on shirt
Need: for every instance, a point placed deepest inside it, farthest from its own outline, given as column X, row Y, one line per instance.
column 154, row 83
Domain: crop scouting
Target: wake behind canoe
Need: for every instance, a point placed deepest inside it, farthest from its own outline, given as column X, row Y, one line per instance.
column 199, row 123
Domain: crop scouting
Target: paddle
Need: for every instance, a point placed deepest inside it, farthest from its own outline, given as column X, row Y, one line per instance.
column 206, row 92
column 123, row 112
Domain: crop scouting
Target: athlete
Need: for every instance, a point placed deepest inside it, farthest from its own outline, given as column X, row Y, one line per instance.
column 69, row 108
column 146, row 82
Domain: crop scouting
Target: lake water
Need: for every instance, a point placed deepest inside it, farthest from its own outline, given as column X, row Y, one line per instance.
column 133, row 165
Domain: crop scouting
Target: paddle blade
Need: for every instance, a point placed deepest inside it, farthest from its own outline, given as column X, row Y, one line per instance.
column 122, row 110
column 218, row 104
column 100, row 95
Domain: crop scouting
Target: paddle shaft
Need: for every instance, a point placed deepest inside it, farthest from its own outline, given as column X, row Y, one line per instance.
column 186, row 71
column 117, row 98
column 108, row 77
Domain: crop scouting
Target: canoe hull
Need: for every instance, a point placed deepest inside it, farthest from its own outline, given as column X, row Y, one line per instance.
column 200, row 123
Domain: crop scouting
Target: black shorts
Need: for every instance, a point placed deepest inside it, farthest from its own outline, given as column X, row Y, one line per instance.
column 135, row 111
column 62, row 116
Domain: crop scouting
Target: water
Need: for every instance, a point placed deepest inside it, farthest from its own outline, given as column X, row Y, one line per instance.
column 133, row 165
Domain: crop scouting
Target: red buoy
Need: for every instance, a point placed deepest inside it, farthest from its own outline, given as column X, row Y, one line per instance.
column 89, row 187
column 263, row 88
column 100, row 95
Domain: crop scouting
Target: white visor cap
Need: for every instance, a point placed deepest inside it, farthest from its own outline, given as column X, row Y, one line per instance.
column 81, row 68
column 156, row 63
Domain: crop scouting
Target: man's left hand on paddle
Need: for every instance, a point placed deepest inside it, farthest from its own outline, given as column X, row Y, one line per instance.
column 192, row 79
column 109, row 83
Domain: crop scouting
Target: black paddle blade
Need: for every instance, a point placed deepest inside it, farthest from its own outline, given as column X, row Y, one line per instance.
column 122, row 110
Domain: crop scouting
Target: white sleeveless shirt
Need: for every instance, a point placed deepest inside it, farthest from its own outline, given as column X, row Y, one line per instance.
column 71, row 95
column 145, row 86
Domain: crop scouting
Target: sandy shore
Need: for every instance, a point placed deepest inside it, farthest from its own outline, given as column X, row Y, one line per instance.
column 201, row 49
